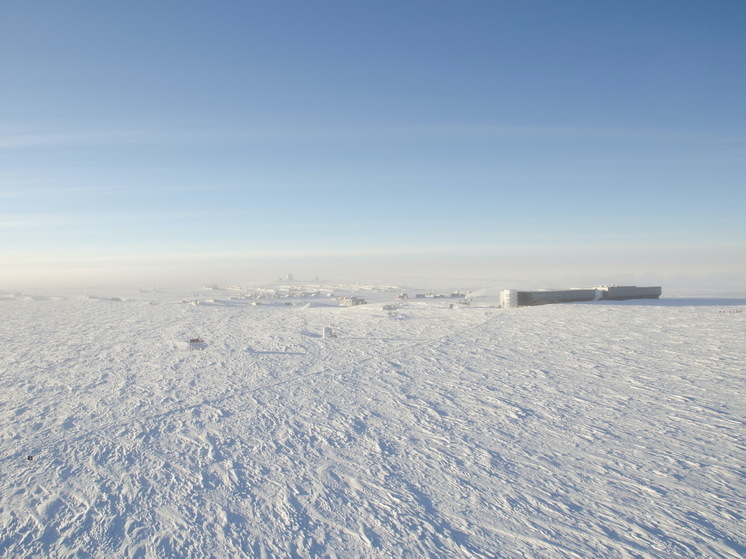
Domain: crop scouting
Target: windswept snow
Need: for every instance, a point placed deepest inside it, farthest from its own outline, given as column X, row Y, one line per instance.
column 586, row 430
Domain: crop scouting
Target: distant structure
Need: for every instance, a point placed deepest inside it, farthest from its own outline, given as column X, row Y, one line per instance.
column 511, row 298
column 196, row 343
column 351, row 301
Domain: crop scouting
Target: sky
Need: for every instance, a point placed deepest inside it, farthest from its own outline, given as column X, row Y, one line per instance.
column 529, row 144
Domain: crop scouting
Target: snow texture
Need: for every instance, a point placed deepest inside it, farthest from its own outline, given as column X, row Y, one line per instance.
column 433, row 430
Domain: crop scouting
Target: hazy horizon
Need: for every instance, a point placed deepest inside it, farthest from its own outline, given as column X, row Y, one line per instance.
column 413, row 271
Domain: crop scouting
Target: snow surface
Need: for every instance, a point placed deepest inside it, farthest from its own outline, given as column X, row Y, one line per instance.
column 581, row 430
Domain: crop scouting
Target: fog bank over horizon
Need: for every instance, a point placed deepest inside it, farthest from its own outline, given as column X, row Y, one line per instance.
column 679, row 274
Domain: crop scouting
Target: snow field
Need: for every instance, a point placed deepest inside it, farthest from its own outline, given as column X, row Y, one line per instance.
column 589, row 430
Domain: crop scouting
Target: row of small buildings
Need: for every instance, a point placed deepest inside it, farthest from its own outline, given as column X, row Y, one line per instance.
column 510, row 298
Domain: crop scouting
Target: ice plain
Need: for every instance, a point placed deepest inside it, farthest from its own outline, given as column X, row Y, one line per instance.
column 578, row 430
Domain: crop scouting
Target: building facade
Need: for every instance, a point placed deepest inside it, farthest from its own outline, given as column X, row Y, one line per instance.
column 511, row 298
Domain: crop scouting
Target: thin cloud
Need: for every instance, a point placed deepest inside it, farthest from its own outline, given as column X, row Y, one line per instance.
column 17, row 192
column 71, row 139
column 58, row 191
column 53, row 221
column 196, row 134
column 31, row 221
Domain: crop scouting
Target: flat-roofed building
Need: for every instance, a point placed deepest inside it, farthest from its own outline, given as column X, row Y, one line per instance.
column 510, row 298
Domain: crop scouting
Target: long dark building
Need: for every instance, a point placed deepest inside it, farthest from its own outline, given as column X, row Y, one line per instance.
column 514, row 298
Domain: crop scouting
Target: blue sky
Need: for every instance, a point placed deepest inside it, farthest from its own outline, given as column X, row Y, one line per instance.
column 529, row 142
